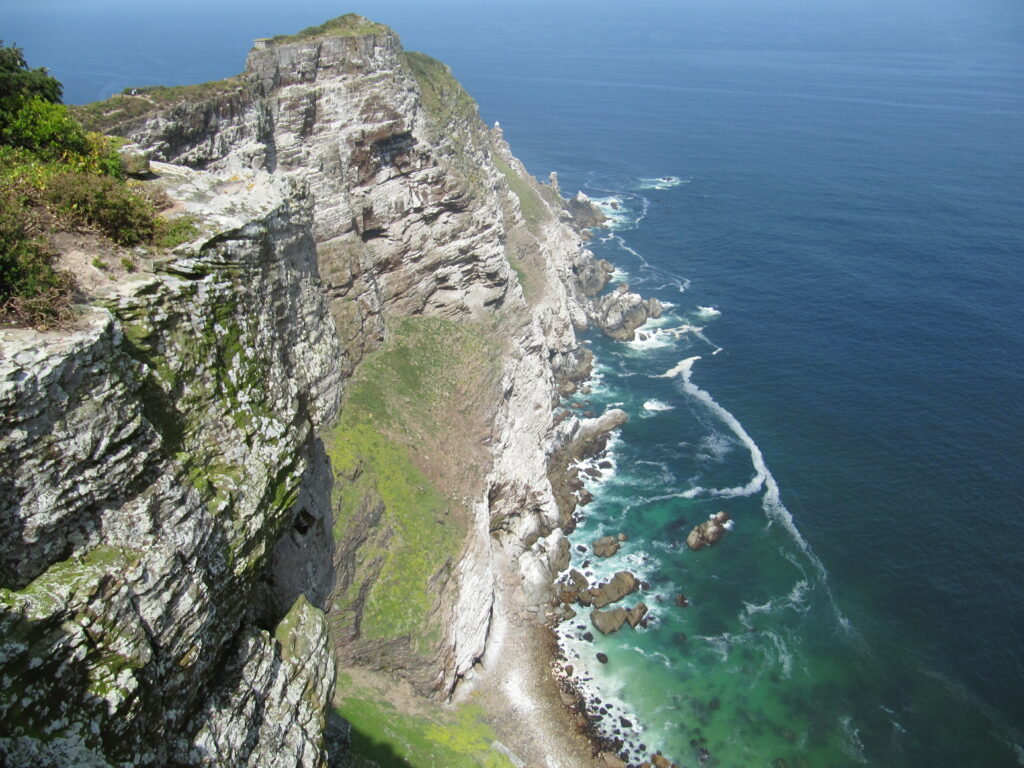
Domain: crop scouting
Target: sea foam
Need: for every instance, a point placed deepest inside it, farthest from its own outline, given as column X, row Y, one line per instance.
column 771, row 501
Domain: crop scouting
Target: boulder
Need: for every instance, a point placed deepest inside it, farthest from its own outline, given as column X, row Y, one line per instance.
column 636, row 614
column 134, row 160
column 603, row 658
column 608, row 621
column 606, row 546
column 708, row 532
column 621, row 584
column 578, row 580
column 611, row 761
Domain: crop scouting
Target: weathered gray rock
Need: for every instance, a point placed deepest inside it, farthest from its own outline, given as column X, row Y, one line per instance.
column 151, row 459
column 134, row 160
column 636, row 614
column 619, row 313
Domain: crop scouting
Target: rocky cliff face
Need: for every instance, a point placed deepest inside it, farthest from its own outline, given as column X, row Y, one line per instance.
column 174, row 528
column 151, row 458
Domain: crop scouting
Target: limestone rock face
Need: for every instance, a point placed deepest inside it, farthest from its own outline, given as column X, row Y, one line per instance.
column 151, row 458
column 274, row 716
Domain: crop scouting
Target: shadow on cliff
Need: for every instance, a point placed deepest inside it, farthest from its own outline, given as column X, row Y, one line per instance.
column 348, row 746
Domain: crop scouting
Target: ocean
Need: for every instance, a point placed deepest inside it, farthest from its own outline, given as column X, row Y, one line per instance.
column 829, row 204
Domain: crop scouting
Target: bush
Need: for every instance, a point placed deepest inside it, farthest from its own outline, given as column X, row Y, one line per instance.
column 18, row 83
column 31, row 290
column 45, row 129
column 173, row 232
column 102, row 202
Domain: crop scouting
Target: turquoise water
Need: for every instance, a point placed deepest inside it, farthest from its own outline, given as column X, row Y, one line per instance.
column 850, row 205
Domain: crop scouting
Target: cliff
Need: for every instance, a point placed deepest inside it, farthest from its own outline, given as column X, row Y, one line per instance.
column 321, row 432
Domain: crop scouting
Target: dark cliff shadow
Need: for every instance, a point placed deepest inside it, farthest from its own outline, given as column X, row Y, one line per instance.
column 348, row 746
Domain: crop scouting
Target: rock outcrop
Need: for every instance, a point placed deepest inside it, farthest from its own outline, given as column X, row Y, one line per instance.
column 606, row 546
column 708, row 532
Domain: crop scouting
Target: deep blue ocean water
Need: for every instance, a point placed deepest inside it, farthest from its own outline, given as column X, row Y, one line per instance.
column 848, row 229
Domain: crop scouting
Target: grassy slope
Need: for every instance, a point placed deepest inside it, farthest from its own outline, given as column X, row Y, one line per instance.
column 384, row 736
column 401, row 405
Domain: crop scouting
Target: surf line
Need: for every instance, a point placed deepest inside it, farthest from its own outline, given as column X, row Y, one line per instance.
column 771, row 501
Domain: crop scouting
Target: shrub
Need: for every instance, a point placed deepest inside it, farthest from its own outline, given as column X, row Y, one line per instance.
column 19, row 83
column 102, row 202
column 173, row 232
column 31, row 290
column 46, row 129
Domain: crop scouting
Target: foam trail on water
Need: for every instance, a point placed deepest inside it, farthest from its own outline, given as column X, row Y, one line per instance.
column 771, row 502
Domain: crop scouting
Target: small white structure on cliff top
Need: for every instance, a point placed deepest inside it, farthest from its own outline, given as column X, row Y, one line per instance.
column 262, row 42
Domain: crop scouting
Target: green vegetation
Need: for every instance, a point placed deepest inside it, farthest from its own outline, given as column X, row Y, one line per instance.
column 32, row 292
column 453, row 118
column 385, row 737
column 529, row 203
column 424, row 535
column 396, row 411
column 108, row 204
column 55, row 175
column 444, row 98
column 349, row 25
column 170, row 233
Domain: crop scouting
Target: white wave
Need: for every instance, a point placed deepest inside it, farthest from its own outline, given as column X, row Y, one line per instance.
column 783, row 657
column 715, row 447
column 771, row 501
column 622, row 244
column 852, row 745
column 654, row 338
column 706, row 313
column 614, row 209
column 657, row 405
column 663, row 182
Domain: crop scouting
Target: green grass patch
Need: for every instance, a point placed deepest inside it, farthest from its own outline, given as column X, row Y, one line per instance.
column 399, row 406
column 424, row 534
column 349, row 25
column 170, row 233
column 391, row 739
column 529, row 202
